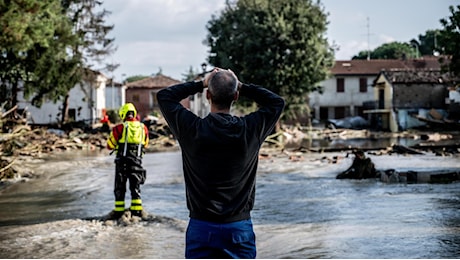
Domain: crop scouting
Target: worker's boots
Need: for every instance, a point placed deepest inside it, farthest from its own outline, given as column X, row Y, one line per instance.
column 114, row 215
column 137, row 213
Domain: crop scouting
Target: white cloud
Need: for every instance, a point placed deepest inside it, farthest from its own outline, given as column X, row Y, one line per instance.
column 168, row 33
column 383, row 38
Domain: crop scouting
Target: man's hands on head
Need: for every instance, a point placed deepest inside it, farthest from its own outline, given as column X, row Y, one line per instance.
column 209, row 76
column 214, row 72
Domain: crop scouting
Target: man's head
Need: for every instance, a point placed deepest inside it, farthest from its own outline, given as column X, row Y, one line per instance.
column 127, row 111
column 359, row 154
column 222, row 88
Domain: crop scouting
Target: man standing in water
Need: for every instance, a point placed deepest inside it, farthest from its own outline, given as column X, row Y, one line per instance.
column 128, row 140
column 220, row 157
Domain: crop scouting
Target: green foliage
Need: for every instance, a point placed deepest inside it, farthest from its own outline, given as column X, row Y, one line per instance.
column 29, row 34
column 190, row 75
column 92, row 44
column 52, row 68
column 449, row 40
column 46, row 47
column 279, row 44
column 135, row 78
column 27, row 23
column 427, row 42
column 392, row 50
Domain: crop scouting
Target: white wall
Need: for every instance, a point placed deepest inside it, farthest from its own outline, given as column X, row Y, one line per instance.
column 115, row 96
column 88, row 101
column 350, row 98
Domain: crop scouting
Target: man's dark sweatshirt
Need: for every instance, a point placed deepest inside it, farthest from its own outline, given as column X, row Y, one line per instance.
column 220, row 152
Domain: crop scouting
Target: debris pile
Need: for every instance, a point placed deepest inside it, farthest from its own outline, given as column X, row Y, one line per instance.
column 19, row 140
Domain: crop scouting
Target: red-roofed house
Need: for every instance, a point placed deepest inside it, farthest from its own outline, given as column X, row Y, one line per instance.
column 143, row 93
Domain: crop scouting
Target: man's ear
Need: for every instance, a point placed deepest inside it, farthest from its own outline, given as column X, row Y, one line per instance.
column 236, row 96
column 208, row 95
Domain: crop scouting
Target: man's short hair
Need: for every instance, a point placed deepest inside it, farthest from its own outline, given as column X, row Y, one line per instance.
column 222, row 87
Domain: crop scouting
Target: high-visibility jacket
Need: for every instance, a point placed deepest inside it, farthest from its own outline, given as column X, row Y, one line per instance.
column 128, row 139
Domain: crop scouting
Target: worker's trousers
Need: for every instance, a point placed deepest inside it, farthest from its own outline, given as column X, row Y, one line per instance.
column 136, row 177
column 220, row 240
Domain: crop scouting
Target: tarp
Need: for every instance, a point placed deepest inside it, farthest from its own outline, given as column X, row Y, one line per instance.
column 353, row 122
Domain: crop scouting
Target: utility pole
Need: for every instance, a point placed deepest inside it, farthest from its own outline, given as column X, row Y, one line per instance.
column 111, row 68
column 368, row 36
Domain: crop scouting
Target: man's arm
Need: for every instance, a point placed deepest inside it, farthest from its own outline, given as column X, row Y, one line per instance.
column 271, row 107
column 262, row 96
column 171, row 108
column 114, row 136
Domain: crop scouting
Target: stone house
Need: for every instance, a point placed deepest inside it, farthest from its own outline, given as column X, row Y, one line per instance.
column 349, row 92
column 143, row 94
column 404, row 95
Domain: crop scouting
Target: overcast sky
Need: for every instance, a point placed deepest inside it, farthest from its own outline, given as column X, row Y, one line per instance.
column 167, row 35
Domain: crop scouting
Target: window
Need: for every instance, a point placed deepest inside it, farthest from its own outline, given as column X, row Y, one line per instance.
column 362, row 85
column 72, row 114
column 340, row 85
column 154, row 100
column 339, row 112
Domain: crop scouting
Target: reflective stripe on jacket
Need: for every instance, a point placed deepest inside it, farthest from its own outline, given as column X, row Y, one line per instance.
column 132, row 140
column 132, row 133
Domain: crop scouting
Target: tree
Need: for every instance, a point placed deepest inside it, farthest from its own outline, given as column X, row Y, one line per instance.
column 30, row 36
column 449, row 40
column 428, row 42
column 279, row 44
column 47, row 46
column 191, row 74
column 93, row 43
column 135, row 78
column 392, row 50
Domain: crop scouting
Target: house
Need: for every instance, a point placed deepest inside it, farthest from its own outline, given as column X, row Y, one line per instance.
column 86, row 102
column 349, row 91
column 114, row 95
column 403, row 96
column 143, row 93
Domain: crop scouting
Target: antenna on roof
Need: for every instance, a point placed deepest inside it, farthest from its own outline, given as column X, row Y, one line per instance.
column 368, row 35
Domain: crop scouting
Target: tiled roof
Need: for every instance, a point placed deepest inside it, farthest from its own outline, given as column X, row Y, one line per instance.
column 373, row 67
column 158, row 81
column 415, row 76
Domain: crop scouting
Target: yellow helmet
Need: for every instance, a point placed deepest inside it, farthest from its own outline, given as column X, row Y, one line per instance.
column 125, row 109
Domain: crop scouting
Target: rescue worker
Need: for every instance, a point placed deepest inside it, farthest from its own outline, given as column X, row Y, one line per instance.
column 105, row 122
column 361, row 168
column 128, row 140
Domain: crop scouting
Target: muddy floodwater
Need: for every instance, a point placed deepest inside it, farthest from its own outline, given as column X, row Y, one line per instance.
column 301, row 210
